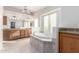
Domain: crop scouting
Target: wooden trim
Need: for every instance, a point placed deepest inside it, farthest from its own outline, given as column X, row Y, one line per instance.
column 4, row 20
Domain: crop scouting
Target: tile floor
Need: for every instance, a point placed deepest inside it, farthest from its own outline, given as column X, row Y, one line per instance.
column 18, row 46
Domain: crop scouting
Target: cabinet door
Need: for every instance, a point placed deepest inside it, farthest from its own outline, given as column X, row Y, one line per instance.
column 75, row 45
column 6, row 35
column 12, row 35
column 26, row 33
column 4, row 20
column 22, row 33
column 69, row 43
column 15, row 34
column 65, row 44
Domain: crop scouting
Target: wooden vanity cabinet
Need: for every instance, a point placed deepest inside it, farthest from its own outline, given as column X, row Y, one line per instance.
column 68, row 43
column 12, row 34
column 15, row 34
column 29, row 32
column 22, row 33
column 4, row 20
column 6, row 35
column 26, row 33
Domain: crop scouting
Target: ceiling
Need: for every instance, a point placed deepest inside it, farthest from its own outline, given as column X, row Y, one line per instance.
column 20, row 8
column 32, row 8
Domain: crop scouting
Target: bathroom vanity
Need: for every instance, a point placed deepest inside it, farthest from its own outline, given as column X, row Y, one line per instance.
column 13, row 34
column 69, row 40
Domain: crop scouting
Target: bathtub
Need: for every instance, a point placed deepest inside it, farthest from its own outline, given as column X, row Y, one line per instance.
column 43, row 35
column 41, row 42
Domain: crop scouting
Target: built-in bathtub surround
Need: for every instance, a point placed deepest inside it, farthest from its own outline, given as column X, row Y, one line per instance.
column 55, row 39
column 45, row 42
column 41, row 44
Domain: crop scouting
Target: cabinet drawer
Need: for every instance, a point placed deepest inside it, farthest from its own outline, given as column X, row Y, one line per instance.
column 62, row 34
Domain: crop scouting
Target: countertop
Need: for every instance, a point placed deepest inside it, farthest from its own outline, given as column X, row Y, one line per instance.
column 72, row 32
column 16, row 29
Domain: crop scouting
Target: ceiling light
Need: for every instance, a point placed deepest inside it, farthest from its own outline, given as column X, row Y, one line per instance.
column 27, row 11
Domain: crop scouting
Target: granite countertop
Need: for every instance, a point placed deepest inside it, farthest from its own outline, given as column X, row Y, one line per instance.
column 72, row 32
column 15, row 29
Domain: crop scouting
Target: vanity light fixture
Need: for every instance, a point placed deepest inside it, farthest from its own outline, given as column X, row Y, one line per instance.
column 13, row 18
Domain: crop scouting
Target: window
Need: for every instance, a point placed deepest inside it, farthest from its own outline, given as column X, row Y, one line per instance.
column 46, row 24
column 36, row 23
column 49, row 22
column 27, row 24
column 52, row 21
